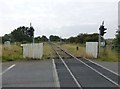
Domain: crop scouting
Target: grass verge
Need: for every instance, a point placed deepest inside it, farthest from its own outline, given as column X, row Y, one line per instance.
column 0, row 53
column 109, row 55
column 48, row 52
column 106, row 54
column 11, row 53
column 14, row 52
column 72, row 48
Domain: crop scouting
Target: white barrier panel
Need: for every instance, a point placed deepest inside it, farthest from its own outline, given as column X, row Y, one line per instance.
column 92, row 49
column 33, row 50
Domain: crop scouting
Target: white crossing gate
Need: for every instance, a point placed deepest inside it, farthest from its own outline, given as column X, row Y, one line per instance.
column 92, row 49
column 33, row 50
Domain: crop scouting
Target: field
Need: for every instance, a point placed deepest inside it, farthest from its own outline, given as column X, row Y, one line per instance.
column 48, row 52
column 72, row 48
column 14, row 52
column 109, row 55
column 106, row 54
column 0, row 53
column 11, row 53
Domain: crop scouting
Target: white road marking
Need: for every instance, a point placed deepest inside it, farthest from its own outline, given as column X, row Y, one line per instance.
column 94, row 70
column 8, row 69
column 103, row 67
column 99, row 73
column 70, row 72
column 56, row 74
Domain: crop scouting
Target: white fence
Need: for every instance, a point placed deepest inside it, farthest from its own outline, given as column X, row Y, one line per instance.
column 92, row 49
column 33, row 50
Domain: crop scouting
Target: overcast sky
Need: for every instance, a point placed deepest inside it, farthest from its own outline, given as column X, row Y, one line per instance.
column 59, row 17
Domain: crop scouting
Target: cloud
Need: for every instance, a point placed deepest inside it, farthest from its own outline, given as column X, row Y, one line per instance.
column 53, row 16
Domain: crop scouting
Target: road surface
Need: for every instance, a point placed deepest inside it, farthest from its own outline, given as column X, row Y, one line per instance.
column 28, row 74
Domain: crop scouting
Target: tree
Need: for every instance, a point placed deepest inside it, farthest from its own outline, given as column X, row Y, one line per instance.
column 116, row 41
column 37, row 39
column 6, row 37
column 41, row 39
column 83, row 38
column 54, row 38
column 71, row 39
column 118, row 37
column 20, row 34
column 44, row 38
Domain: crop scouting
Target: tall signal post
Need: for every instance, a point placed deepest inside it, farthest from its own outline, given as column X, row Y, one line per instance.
column 32, row 32
column 99, row 40
column 101, row 33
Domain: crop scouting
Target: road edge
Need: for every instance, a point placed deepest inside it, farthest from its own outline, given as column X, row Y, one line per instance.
column 102, row 66
column 55, row 76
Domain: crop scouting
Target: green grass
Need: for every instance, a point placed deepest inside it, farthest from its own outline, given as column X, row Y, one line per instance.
column 0, row 53
column 11, row 53
column 48, row 52
column 106, row 54
column 14, row 52
column 71, row 48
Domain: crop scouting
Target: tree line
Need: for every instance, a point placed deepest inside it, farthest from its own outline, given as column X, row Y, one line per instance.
column 20, row 35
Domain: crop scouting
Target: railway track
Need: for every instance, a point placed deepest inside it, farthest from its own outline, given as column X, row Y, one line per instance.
column 81, row 73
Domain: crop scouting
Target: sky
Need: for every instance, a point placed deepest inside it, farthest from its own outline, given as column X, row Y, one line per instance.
column 64, row 18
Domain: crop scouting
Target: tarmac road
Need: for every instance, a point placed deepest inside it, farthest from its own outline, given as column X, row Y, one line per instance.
column 40, row 74
column 28, row 74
